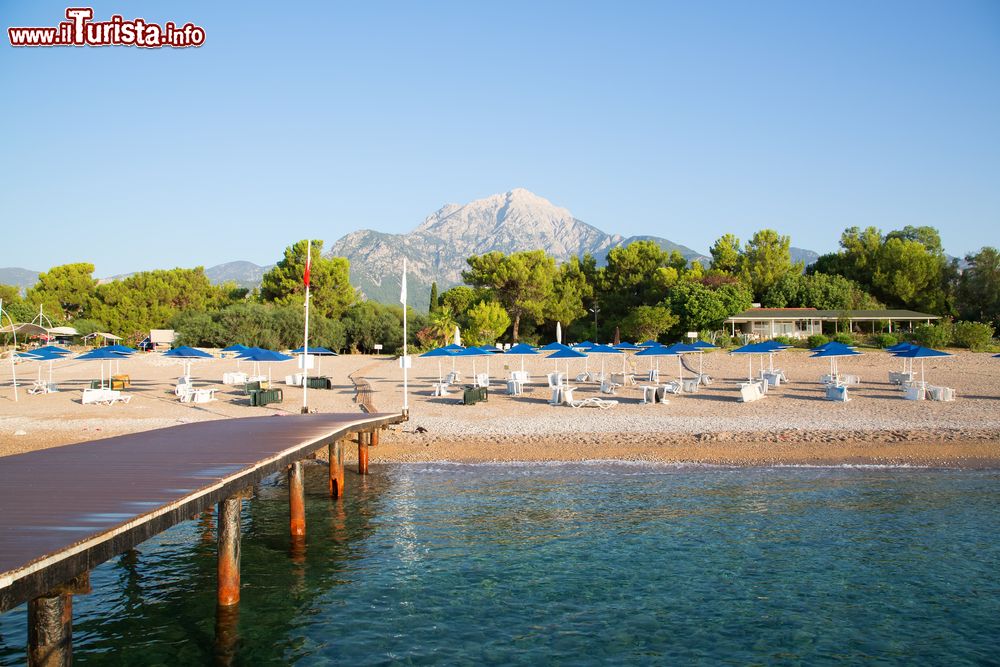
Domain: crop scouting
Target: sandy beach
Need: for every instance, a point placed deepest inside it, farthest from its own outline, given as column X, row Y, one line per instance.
column 793, row 425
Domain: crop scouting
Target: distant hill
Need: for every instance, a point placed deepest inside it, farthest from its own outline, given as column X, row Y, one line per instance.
column 23, row 278
column 806, row 256
column 244, row 274
column 436, row 250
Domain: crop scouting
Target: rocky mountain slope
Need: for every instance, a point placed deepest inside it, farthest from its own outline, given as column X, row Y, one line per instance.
column 436, row 250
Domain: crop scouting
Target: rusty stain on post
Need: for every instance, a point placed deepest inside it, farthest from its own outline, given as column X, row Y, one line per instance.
column 229, row 551
column 50, row 630
column 363, row 452
column 336, row 456
column 296, row 500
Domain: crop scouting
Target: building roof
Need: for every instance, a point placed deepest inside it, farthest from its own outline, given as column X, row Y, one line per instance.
column 813, row 314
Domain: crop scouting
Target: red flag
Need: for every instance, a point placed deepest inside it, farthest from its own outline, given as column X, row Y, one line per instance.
column 308, row 263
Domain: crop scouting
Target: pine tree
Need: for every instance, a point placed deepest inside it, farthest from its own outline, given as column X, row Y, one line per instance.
column 432, row 308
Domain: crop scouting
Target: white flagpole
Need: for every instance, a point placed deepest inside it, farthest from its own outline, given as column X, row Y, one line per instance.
column 305, row 335
column 402, row 298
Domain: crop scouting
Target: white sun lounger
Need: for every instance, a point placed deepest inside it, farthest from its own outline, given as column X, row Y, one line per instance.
column 593, row 402
column 104, row 397
column 837, row 392
column 895, row 377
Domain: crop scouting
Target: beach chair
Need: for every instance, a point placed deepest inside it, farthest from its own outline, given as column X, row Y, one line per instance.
column 895, row 377
column 672, row 387
column 482, row 380
column 773, row 379
column 940, row 393
column 184, row 385
column 234, row 378
column 751, row 391
column 850, row 380
column 690, row 385
column 914, row 391
column 837, row 392
column 452, row 377
column 555, row 380
column 608, row 387
column 592, row 402
column 654, row 376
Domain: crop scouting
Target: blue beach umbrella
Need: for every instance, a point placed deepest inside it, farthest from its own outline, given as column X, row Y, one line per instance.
column 103, row 354
column 42, row 354
column 650, row 343
column 439, row 352
column 187, row 355
column 567, row 353
column 751, row 349
column 261, row 356
column 834, row 352
column 655, row 352
column 921, row 353
column 318, row 352
column 473, row 352
column 552, row 347
column 52, row 349
column 604, row 350
column 521, row 350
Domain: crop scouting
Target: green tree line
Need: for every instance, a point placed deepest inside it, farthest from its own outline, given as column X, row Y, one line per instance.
column 641, row 292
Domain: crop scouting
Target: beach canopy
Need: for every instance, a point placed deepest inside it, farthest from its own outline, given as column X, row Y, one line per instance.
column 832, row 352
column 832, row 345
column 586, row 345
column 39, row 354
column 521, row 348
column 102, row 354
column 899, row 347
column 682, row 348
column 918, row 352
column 236, row 347
column 656, row 351
column 53, row 349
column 121, row 349
column 439, row 352
column 454, row 347
column 567, row 353
column 554, row 346
column 704, row 345
column 649, row 343
column 185, row 352
column 625, row 345
column 602, row 349
column 921, row 353
column 260, row 354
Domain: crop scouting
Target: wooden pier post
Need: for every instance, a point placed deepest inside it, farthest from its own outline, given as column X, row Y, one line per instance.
column 229, row 551
column 374, row 437
column 50, row 624
column 296, row 500
column 363, row 452
column 336, row 456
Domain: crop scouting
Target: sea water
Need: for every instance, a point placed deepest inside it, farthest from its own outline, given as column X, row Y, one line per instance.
column 589, row 563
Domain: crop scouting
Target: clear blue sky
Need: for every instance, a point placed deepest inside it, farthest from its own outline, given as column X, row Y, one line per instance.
column 313, row 119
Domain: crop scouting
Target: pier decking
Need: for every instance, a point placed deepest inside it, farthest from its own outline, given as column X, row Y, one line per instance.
column 65, row 510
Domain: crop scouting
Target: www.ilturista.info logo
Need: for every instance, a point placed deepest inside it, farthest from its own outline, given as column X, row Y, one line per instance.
column 81, row 30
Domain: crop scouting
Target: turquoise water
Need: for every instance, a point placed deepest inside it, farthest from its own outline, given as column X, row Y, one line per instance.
column 574, row 564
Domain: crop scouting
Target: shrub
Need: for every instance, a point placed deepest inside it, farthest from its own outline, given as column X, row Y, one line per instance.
column 884, row 340
column 816, row 340
column 933, row 335
column 974, row 335
column 845, row 338
column 724, row 340
column 784, row 340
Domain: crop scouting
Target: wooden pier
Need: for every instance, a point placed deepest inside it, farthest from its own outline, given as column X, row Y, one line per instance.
column 65, row 510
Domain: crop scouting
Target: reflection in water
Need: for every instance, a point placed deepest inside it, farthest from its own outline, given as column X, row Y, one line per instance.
column 507, row 564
